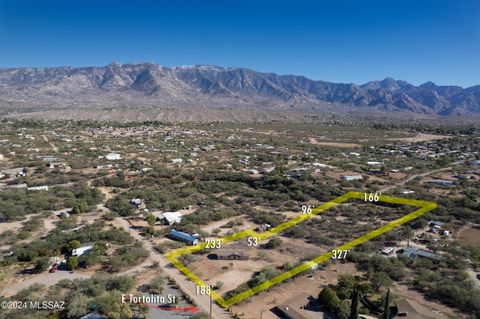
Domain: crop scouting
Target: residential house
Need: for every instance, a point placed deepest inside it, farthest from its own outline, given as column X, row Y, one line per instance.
column 170, row 218
column 38, row 188
column 352, row 177
column 113, row 157
column 296, row 173
column 82, row 251
column 50, row 159
column 302, row 306
column 94, row 315
column 413, row 253
column 267, row 170
column 442, row 182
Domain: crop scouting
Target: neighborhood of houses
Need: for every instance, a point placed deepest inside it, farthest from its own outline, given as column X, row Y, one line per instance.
column 190, row 150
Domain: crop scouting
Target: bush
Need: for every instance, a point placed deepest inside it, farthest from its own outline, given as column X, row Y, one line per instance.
column 127, row 256
column 72, row 263
column 156, row 285
column 42, row 264
column 273, row 243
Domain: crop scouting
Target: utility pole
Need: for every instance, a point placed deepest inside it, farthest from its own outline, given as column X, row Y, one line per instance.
column 210, row 295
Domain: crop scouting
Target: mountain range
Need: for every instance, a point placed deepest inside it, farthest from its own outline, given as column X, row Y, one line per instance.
column 150, row 86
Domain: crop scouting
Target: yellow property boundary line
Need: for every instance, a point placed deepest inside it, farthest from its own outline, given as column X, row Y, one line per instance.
column 173, row 256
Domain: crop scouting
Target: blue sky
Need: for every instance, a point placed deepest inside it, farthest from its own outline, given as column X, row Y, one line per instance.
column 340, row 41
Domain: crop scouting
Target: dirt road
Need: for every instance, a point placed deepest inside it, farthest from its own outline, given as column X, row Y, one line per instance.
column 183, row 282
column 412, row 177
column 45, row 138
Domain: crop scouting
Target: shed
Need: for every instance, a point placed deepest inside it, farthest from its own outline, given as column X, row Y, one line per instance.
column 64, row 214
column 228, row 255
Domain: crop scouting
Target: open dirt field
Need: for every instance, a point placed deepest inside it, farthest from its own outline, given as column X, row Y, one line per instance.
column 312, row 285
column 469, row 236
column 245, row 224
column 420, row 137
column 315, row 141
column 234, row 272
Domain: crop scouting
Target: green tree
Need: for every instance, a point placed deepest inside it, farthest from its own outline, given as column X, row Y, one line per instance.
column 110, row 304
column 151, row 219
column 100, row 248
column 79, row 208
column 345, row 285
column 328, row 298
column 341, row 311
column 150, row 230
column 42, row 264
column 78, row 305
column 74, row 244
column 380, row 279
column 72, row 262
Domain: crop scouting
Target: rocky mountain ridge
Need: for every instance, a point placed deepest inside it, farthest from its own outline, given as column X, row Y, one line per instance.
column 204, row 86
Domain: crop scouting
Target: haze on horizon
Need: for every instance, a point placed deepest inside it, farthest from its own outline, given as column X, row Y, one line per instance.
column 415, row 41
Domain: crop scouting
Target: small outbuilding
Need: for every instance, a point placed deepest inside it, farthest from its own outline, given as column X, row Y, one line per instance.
column 183, row 237
column 228, row 255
